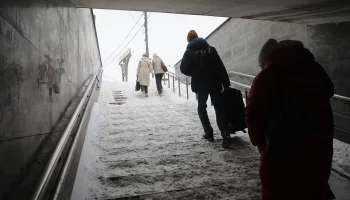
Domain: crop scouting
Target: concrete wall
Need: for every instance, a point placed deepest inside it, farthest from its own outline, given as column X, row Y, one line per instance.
column 238, row 42
column 330, row 44
column 44, row 46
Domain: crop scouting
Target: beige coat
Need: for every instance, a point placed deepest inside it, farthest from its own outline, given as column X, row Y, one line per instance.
column 157, row 64
column 144, row 70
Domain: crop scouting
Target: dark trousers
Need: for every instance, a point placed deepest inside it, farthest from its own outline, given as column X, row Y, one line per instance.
column 159, row 78
column 144, row 88
column 217, row 101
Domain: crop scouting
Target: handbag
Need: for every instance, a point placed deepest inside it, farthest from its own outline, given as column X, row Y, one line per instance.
column 164, row 68
column 138, row 86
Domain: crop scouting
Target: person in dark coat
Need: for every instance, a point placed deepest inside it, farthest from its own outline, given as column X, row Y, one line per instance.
column 290, row 120
column 298, row 48
column 208, row 80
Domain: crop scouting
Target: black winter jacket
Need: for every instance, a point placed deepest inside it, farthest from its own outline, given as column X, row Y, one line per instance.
column 191, row 66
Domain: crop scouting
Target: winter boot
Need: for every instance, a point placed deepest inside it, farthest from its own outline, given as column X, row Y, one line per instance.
column 209, row 137
column 146, row 94
column 226, row 142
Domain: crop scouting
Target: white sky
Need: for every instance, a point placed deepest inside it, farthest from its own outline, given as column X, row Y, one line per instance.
column 167, row 36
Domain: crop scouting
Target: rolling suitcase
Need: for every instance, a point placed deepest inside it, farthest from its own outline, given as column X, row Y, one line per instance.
column 234, row 110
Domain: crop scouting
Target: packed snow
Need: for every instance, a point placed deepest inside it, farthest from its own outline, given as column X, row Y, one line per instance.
column 152, row 148
column 341, row 157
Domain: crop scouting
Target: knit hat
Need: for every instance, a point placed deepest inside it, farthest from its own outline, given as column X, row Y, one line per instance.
column 191, row 35
column 267, row 49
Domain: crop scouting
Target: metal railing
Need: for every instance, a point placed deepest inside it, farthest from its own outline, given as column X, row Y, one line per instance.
column 40, row 188
column 346, row 101
column 252, row 77
column 180, row 80
column 339, row 97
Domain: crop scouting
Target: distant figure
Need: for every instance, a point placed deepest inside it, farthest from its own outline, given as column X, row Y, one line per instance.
column 209, row 77
column 158, row 71
column 144, row 70
column 290, row 119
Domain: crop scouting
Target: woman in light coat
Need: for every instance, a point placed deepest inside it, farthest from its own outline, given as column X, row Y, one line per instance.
column 144, row 70
column 159, row 72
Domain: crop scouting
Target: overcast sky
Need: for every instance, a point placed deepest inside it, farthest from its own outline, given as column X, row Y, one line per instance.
column 167, row 37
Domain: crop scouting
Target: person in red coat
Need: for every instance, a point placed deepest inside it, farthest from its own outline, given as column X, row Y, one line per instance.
column 290, row 120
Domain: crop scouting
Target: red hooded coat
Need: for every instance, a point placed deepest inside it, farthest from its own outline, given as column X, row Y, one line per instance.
column 304, row 173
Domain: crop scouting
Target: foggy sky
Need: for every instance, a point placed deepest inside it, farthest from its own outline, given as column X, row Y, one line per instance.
column 167, row 37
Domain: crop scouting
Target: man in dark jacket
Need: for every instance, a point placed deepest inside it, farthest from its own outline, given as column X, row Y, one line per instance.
column 290, row 119
column 209, row 77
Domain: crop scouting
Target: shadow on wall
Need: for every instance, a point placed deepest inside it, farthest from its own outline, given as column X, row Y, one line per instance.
column 50, row 75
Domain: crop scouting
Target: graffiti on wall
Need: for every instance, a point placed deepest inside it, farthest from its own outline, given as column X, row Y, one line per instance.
column 49, row 74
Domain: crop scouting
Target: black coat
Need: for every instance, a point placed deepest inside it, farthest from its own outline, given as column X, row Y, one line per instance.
column 190, row 66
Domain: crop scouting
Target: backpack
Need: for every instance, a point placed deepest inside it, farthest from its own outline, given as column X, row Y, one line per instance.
column 234, row 110
column 207, row 71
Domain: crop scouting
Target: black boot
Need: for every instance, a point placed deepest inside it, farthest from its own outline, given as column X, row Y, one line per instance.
column 209, row 137
column 226, row 142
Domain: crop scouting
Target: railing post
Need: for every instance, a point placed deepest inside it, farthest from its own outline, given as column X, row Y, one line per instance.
column 168, row 80
column 178, row 79
column 173, row 83
column 164, row 78
column 187, row 88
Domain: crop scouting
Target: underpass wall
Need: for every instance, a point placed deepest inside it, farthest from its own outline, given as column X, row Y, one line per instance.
column 238, row 42
column 330, row 43
column 48, row 50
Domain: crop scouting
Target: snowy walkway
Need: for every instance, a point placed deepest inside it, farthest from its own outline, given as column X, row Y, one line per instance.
column 151, row 148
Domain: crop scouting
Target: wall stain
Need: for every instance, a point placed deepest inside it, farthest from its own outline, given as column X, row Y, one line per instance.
column 10, row 83
column 49, row 74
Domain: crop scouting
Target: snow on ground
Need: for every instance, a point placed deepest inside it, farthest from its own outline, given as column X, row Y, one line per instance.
column 341, row 157
column 152, row 148
column 341, row 163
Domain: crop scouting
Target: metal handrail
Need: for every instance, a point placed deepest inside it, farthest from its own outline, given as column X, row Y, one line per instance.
column 341, row 97
column 178, row 77
column 241, row 74
column 241, row 84
column 180, row 80
column 251, row 76
column 72, row 150
column 40, row 188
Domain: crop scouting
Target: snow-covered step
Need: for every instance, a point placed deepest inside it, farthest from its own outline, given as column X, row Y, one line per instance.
column 152, row 148
column 218, row 192
column 179, row 162
column 238, row 175
column 166, row 149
